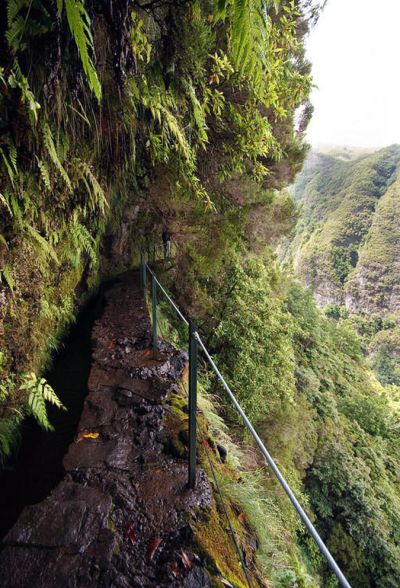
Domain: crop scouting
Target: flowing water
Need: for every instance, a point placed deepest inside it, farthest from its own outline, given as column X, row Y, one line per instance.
column 36, row 468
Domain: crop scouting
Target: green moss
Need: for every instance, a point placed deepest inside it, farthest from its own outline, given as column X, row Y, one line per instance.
column 176, row 424
column 217, row 545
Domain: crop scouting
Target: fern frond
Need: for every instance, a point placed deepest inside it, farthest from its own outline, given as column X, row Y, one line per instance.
column 13, row 9
column 248, row 35
column 79, row 24
column 21, row 24
column 5, row 203
column 174, row 130
column 198, row 115
column 16, row 79
column 10, row 162
column 16, row 209
column 3, row 241
column 44, row 173
column 49, row 395
column 8, row 435
column 5, row 273
column 40, row 392
column 95, row 191
column 37, row 407
column 52, row 151
column 82, row 240
column 44, row 245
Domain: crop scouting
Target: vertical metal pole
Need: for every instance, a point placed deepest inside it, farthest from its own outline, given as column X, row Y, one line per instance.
column 144, row 273
column 192, row 403
column 141, row 269
column 154, row 304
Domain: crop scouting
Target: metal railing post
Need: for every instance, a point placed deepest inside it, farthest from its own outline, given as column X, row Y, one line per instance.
column 192, row 403
column 154, row 306
column 143, row 272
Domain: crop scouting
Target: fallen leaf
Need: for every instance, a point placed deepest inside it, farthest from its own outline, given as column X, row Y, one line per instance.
column 241, row 518
column 174, row 569
column 82, row 436
column 153, row 548
column 206, row 444
column 226, row 583
column 187, row 562
column 130, row 533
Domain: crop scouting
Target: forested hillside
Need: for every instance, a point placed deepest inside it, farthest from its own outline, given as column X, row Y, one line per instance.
column 120, row 118
column 347, row 246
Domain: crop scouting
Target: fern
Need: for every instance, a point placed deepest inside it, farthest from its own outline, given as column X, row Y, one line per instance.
column 81, row 240
column 93, row 187
column 174, row 130
column 8, row 434
column 52, row 151
column 248, row 35
column 3, row 241
column 198, row 115
column 44, row 173
column 13, row 9
column 5, row 273
column 79, row 24
column 44, row 245
column 22, row 25
column 5, row 203
column 40, row 392
column 16, row 210
column 16, row 79
column 10, row 162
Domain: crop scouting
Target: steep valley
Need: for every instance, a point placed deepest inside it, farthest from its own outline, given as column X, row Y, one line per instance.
column 347, row 245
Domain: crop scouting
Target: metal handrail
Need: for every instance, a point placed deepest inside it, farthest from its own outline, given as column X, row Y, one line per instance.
column 195, row 337
column 325, row 551
column 168, row 297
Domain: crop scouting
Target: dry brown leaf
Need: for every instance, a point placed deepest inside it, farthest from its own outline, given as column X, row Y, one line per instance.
column 154, row 544
column 187, row 562
column 85, row 435
column 174, row 569
column 131, row 534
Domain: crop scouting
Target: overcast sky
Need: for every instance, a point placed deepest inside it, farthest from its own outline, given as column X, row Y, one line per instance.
column 355, row 52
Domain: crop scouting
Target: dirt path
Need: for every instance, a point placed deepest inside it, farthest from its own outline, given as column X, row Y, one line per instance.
column 121, row 515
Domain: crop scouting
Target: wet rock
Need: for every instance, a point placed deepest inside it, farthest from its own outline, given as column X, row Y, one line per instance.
column 197, row 578
column 122, row 479
column 73, row 509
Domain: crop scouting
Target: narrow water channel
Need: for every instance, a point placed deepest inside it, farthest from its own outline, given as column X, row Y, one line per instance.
column 36, row 468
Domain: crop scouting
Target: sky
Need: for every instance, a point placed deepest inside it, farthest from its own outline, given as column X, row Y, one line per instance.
column 355, row 52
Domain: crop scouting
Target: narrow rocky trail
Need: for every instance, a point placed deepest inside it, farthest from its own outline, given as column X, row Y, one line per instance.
column 121, row 515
